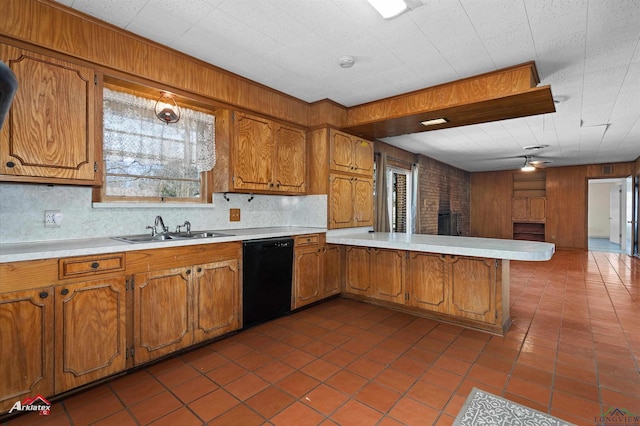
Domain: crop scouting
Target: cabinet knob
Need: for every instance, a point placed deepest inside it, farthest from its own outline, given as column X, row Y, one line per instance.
column 43, row 295
column 10, row 164
column 199, row 269
column 95, row 265
column 64, row 291
column 188, row 271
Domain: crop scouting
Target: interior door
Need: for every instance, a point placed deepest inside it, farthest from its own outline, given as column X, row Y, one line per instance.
column 614, row 214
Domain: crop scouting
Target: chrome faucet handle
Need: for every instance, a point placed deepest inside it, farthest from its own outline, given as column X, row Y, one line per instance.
column 153, row 230
column 186, row 224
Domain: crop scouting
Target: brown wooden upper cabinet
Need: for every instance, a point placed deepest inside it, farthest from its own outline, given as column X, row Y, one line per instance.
column 49, row 133
column 350, row 154
column 267, row 156
column 529, row 209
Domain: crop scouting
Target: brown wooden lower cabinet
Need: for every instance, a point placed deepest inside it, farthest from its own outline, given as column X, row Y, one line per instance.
column 162, row 313
column 26, row 346
column 90, row 338
column 317, row 270
column 91, row 323
column 176, row 308
column 427, row 282
column 333, row 269
column 465, row 290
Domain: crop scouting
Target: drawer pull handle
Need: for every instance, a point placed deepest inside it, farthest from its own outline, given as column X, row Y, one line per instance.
column 64, row 291
column 95, row 265
column 43, row 295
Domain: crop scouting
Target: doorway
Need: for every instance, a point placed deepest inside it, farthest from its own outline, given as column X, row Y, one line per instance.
column 609, row 212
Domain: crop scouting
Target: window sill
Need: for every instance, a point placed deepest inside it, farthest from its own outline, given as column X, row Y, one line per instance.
column 134, row 205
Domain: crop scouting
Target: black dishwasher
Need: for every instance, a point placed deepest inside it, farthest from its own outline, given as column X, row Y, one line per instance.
column 266, row 279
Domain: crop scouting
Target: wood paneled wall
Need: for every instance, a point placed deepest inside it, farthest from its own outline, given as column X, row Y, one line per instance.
column 491, row 204
column 566, row 189
column 55, row 27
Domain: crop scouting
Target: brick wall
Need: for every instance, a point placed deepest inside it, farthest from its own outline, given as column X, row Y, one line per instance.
column 443, row 188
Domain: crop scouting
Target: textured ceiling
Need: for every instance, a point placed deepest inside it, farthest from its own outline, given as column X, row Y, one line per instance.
column 587, row 50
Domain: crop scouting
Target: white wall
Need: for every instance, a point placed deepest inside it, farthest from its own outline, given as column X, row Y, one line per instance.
column 22, row 210
column 598, row 210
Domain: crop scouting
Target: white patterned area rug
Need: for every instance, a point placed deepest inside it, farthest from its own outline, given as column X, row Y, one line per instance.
column 482, row 408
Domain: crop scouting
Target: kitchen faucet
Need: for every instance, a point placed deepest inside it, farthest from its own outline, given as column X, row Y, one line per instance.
column 160, row 222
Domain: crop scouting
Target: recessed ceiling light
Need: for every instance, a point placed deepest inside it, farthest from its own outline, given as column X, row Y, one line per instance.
column 434, row 121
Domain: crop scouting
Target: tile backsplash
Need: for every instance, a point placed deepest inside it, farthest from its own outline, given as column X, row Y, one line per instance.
column 22, row 209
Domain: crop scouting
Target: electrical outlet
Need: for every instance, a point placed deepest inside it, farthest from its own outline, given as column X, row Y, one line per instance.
column 52, row 218
column 234, row 215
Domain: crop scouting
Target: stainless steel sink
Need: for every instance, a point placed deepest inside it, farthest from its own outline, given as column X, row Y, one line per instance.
column 170, row 236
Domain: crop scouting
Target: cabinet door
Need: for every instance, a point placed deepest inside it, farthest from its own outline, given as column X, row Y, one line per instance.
column 519, row 209
column 363, row 157
column 341, row 152
column 290, row 165
column 26, row 347
column 308, row 267
column 427, row 282
column 90, row 332
column 473, row 289
column 253, row 153
column 161, row 316
column 388, row 274
column 216, row 299
column 358, row 272
column 340, row 201
column 50, row 128
column 537, row 209
column 333, row 270
column 362, row 202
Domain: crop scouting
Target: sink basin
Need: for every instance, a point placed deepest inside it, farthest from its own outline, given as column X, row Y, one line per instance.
column 170, row 236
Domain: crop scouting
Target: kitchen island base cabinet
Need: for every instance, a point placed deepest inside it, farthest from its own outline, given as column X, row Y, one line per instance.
column 26, row 367
column 468, row 291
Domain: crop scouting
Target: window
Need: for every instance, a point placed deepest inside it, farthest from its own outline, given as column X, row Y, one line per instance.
column 149, row 160
column 399, row 191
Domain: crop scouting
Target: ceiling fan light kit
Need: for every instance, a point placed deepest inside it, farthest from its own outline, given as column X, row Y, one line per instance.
column 388, row 8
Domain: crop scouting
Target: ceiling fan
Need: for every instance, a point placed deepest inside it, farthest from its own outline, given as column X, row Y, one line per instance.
column 530, row 164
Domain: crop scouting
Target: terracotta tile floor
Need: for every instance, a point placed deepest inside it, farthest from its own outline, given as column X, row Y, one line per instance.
column 573, row 351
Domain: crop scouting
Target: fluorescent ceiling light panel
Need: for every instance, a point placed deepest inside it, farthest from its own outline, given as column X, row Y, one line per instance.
column 434, row 121
column 388, row 8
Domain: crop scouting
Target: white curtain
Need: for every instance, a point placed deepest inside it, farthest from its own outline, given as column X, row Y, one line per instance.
column 415, row 199
column 382, row 222
column 130, row 123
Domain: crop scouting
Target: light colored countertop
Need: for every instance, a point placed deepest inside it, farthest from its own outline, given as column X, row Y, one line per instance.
column 462, row 246
column 15, row 252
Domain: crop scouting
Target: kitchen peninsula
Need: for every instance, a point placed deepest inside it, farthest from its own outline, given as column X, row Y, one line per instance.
column 461, row 280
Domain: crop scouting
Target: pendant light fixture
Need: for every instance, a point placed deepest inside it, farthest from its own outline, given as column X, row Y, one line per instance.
column 167, row 110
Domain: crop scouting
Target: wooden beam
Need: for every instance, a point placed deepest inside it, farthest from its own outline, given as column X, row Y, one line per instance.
column 498, row 95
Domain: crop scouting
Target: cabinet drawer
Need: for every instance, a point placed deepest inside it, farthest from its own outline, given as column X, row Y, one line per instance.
column 89, row 265
column 307, row 240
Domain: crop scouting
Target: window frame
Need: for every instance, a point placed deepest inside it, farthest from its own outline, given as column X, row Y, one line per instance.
column 100, row 193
